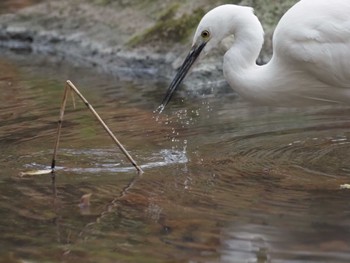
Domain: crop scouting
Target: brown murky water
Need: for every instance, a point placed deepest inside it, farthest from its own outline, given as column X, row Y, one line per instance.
column 224, row 181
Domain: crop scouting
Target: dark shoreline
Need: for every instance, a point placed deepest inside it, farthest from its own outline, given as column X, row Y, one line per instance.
column 93, row 35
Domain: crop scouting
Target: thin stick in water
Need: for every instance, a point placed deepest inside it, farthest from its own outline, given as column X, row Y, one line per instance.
column 89, row 106
column 59, row 127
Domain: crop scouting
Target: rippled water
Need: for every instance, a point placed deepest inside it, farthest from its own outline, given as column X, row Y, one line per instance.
column 224, row 181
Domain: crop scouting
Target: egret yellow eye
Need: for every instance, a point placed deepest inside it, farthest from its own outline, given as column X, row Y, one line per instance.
column 205, row 34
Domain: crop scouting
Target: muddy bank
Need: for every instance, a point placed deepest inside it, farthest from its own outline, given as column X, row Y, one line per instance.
column 133, row 37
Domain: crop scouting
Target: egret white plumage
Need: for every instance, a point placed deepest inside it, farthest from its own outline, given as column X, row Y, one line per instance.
column 311, row 53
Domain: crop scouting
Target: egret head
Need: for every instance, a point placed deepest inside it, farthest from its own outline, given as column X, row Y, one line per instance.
column 218, row 24
column 215, row 26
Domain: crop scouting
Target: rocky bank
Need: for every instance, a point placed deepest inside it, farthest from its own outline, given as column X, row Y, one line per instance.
column 133, row 37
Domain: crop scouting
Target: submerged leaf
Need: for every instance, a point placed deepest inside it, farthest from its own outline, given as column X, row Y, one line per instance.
column 85, row 200
column 35, row 172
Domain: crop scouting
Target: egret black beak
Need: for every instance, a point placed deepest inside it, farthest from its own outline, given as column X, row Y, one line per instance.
column 181, row 74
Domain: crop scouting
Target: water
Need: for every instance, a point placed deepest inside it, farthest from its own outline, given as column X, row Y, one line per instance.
column 224, row 181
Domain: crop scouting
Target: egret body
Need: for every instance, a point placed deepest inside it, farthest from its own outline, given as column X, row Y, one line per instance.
column 311, row 53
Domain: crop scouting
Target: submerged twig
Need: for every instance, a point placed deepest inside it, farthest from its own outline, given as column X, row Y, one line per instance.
column 35, row 172
column 59, row 127
column 70, row 85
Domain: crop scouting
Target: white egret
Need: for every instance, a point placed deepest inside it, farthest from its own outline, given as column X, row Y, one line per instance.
column 311, row 53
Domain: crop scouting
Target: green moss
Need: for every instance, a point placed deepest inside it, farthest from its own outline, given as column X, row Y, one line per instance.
column 168, row 28
column 168, row 13
column 101, row 2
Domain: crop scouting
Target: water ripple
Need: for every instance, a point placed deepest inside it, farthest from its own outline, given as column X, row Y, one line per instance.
column 103, row 160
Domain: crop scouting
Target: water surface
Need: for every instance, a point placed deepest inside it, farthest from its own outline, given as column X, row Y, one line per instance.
column 224, row 181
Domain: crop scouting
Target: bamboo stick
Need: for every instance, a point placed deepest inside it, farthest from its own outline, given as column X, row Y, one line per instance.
column 70, row 85
column 59, row 127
